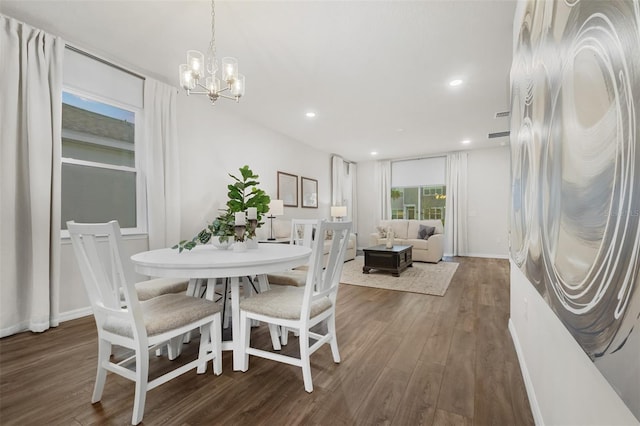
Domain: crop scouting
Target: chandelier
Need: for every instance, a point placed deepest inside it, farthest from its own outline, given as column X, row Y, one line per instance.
column 192, row 74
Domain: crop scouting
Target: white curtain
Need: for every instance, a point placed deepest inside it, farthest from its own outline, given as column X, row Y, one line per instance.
column 382, row 176
column 352, row 205
column 337, row 180
column 161, row 164
column 343, row 188
column 30, row 165
column 456, row 206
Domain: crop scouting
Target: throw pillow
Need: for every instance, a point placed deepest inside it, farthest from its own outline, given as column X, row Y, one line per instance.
column 382, row 231
column 426, row 231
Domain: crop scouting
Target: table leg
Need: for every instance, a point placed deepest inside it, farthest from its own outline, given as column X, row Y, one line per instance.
column 235, row 323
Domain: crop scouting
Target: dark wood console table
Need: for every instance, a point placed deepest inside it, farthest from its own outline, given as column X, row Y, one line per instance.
column 394, row 260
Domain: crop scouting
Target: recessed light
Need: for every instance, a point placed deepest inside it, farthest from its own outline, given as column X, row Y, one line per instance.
column 399, row 130
column 310, row 114
column 374, row 153
column 454, row 83
column 466, row 142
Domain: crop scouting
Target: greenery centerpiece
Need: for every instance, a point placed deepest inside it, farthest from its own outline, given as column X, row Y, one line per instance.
column 243, row 194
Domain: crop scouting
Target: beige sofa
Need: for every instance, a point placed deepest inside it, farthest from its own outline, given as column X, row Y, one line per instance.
column 282, row 233
column 406, row 233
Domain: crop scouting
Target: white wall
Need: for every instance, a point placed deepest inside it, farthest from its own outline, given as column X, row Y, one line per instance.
column 564, row 385
column 215, row 143
column 488, row 191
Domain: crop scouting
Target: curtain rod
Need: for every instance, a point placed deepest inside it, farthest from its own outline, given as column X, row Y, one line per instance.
column 104, row 61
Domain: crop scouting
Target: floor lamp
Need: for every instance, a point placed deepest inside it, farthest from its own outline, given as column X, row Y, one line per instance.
column 276, row 208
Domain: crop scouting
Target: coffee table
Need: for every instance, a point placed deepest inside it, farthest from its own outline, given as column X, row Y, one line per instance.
column 395, row 259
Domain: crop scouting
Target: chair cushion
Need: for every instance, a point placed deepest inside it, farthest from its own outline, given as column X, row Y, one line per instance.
column 165, row 313
column 158, row 286
column 283, row 302
column 295, row 278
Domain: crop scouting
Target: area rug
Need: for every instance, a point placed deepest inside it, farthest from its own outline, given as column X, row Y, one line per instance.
column 425, row 278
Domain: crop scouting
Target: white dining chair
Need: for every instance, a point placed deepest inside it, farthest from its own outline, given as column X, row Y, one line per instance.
column 301, row 308
column 141, row 326
column 302, row 234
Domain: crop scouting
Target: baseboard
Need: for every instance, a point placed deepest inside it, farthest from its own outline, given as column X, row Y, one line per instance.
column 483, row 255
column 64, row 316
column 531, row 394
column 75, row 314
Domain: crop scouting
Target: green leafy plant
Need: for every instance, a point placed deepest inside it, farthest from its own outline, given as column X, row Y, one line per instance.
column 243, row 193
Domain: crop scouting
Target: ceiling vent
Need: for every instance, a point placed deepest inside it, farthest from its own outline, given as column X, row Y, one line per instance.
column 499, row 134
column 502, row 114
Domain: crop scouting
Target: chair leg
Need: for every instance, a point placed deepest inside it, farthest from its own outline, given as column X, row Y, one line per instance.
column 142, row 377
column 284, row 336
column 216, row 343
column 104, row 352
column 205, row 341
column 306, row 362
column 174, row 347
column 245, row 340
column 331, row 327
column 275, row 341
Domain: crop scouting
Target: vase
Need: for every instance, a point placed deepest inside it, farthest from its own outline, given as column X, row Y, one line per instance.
column 220, row 245
column 252, row 243
column 390, row 239
column 239, row 246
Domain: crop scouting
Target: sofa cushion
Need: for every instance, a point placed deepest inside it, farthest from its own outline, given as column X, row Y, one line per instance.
column 398, row 226
column 425, row 232
column 418, row 244
column 414, row 226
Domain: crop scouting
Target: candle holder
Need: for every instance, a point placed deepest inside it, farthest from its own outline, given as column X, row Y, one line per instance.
column 239, row 232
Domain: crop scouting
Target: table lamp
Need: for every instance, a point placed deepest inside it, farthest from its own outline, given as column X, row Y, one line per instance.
column 276, row 208
column 339, row 212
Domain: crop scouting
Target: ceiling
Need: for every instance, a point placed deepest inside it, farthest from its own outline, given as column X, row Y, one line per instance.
column 375, row 72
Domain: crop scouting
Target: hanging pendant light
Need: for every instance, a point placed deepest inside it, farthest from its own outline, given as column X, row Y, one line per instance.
column 196, row 72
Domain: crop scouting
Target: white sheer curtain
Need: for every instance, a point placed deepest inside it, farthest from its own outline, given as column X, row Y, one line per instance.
column 352, row 205
column 456, row 206
column 337, row 180
column 161, row 164
column 343, row 187
column 30, row 171
column 382, row 176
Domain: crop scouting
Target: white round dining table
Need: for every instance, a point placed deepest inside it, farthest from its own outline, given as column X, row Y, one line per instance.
column 209, row 262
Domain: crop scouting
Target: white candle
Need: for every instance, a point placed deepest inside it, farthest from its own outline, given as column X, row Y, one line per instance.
column 240, row 219
column 252, row 213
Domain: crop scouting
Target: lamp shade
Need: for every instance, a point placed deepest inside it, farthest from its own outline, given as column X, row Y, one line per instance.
column 338, row 211
column 276, row 208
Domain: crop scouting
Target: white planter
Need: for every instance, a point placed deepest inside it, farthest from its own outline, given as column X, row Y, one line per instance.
column 220, row 245
column 239, row 246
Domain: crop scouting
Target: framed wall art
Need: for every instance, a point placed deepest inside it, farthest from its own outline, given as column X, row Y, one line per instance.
column 309, row 192
column 288, row 189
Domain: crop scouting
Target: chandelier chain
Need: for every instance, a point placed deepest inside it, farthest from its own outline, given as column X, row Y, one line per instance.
column 211, row 61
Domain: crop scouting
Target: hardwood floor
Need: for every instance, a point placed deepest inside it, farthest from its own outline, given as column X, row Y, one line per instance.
column 407, row 359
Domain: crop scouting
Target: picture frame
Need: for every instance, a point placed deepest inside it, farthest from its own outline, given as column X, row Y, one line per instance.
column 309, row 197
column 288, row 189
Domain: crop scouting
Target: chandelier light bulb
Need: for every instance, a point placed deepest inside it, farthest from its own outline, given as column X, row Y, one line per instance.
column 229, row 69
column 237, row 89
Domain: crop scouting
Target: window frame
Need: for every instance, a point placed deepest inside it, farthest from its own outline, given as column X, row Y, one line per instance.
column 141, row 192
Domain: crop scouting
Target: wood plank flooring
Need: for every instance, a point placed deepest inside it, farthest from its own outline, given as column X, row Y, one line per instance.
column 407, row 359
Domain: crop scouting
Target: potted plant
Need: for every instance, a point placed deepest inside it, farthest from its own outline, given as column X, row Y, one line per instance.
column 243, row 194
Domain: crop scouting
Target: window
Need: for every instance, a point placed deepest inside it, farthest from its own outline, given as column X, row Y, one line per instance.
column 100, row 178
column 417, row 191
column 405, row 203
